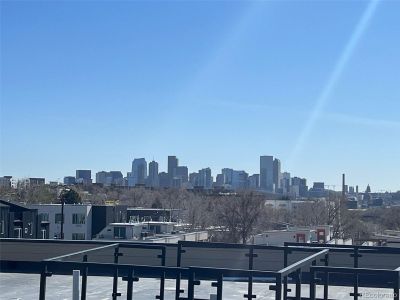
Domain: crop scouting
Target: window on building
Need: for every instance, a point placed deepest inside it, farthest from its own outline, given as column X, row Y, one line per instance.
column 78, row 236
column 119, row 232
column 44, row 217
column 58, row 219
column 78, row 218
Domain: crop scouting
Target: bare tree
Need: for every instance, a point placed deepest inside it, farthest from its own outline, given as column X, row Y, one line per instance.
column 239, row 214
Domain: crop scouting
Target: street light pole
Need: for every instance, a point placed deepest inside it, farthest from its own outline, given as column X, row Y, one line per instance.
column 62, row 218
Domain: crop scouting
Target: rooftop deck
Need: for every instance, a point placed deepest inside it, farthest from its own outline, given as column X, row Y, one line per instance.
column 295, row 271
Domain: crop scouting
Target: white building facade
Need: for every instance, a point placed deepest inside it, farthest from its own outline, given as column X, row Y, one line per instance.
column 77, row 220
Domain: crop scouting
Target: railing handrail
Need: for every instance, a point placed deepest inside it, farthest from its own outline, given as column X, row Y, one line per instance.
column 81, row 252
column 303, row 263
column 345, row 270
column 232, row 272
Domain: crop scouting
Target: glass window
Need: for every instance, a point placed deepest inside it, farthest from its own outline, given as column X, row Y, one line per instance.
column 78, row 236
column 78, row 218
column 44, row 217
column 57, row 219
column 119, row 232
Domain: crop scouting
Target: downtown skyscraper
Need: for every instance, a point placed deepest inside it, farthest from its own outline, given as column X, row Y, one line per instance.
column 266, row 173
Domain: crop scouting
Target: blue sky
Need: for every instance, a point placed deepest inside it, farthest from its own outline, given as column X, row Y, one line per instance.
column 94, row 84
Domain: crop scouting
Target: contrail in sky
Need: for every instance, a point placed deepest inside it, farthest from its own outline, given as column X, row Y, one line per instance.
column 333, row 79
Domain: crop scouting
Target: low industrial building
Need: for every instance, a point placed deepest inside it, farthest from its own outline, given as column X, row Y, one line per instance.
column 314, row 234
column 150, row 232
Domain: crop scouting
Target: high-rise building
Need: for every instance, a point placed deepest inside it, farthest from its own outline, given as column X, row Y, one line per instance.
column 5, row 182
column 219, row 181
column 139, row 172
column 109, row 178
column 277, row 173
column 266, row 173
column 153, row 180
column 254, row 181
column 301, row 183
column 182, row 173
column 164, row 181
column 194, row 179
column 172, row 165
column 101, row 177
column 205, row 179
column 228, row 175
column 239, row 179
column 69, row 180
column 83, row 176
column 285, row 183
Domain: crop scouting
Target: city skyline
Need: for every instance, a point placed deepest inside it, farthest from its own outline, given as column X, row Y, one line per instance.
column 151, row 174
column 92, row 85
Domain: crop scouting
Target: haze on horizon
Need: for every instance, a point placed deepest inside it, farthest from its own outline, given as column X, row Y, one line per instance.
column 92, row 85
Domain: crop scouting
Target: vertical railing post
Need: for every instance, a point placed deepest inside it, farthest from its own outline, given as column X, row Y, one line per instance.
column 286, row 252
column 84, row 278
column 326, row 277
column 218, row 284
column 178, row 290
column 278, row 287
column 219, row 287
column 298, row 284
column 43, row 276
column 117, row 254
column 355, row 292
column 191, row 285
column 396, row 286
column 129, row 283
column 162, row 277
column 312, row 283
column 75, row 284
column 251, row 256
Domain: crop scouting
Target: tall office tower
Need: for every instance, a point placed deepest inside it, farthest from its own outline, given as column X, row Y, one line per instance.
column 205, row 179
column 266, row 173
column 219, row 181
column 172, row 165
column 84, row 176
column 182, row 173
column 115, row 177
column 301, row 183
column 194, row 179
column 101, row 177
column 277, row 173
column 285, row 182
column 163, row 179
column 239, row 180
column 228, row 175
column 153, row 180
column 139, row 171
column 254, row 181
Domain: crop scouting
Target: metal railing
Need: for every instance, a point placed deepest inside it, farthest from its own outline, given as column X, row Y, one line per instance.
column 314, row 267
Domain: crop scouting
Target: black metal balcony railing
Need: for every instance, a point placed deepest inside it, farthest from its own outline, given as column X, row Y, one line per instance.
column 311, row 264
